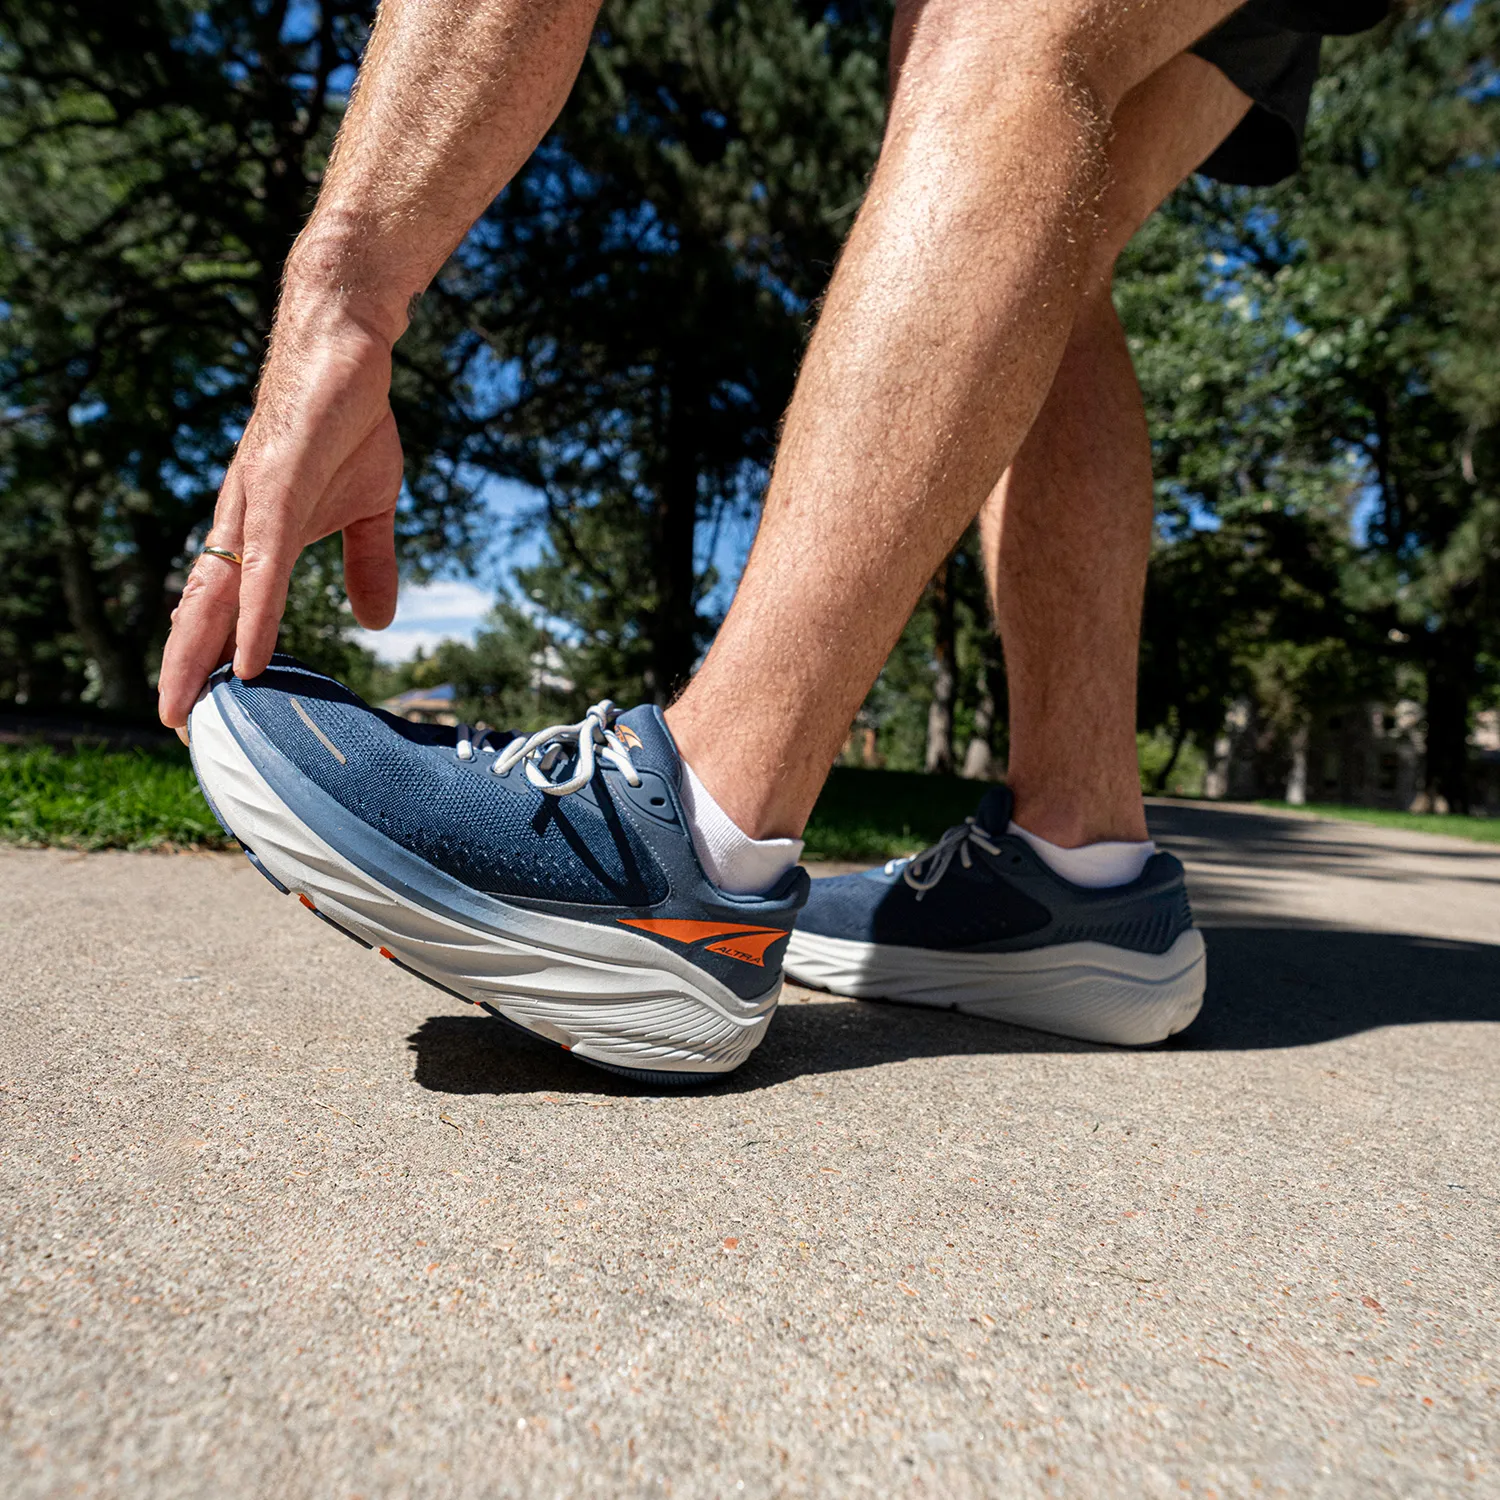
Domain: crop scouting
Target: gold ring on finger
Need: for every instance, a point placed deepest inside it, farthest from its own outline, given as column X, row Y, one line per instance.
column 223, row 552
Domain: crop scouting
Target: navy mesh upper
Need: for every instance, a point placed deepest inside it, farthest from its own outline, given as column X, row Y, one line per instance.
column 967, row 909
column 1006, row 900
column 495, row 834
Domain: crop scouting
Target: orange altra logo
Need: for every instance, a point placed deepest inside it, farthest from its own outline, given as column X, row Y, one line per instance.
column 747, row 944
column 629, row 735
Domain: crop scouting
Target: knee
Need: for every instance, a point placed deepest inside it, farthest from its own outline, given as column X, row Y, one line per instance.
column 1022, row 68
column 1066, row 48
column 1095, row 318
column 1114, row 226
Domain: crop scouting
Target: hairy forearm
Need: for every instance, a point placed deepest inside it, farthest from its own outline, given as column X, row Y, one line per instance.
column 452, row 97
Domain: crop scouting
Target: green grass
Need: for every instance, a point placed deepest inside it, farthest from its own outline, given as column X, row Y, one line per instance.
column 103, row 799
column 147, row 799
column 1484, row 830
column 877, row 814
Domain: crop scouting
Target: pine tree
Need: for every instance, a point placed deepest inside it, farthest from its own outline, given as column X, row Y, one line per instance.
column 640, row 295
column 1319, row 364
column 158, row 160
column 1397, row 221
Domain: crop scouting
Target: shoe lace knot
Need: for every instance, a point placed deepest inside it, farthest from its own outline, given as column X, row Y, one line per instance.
column 923, row 871
column 593, row 738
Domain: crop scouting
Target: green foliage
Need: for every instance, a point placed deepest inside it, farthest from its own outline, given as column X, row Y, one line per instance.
column 103, row 799
column 898, row 704
column 1392, row 293
column 1170, row 765
column 42, row 661
column 512, row 676
column 869, row 815
column 621, row 331
column 1331, row 403
column 158, row 160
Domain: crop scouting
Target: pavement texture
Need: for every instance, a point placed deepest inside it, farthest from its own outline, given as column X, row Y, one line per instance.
column 278, row 1220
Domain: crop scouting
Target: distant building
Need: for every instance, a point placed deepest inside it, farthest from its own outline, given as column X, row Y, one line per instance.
column 1370, row 755
column 430, row 705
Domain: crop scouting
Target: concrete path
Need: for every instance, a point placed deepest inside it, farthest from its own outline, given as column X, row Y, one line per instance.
column 277, row 1220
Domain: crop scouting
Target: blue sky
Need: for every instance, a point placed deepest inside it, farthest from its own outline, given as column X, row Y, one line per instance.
column 446, row 609
column 453, row 607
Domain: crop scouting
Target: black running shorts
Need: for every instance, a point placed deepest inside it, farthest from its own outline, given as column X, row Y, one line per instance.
column 1269, row 50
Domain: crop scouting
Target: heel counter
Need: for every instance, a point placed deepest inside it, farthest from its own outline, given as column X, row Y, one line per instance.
column 1146, row 918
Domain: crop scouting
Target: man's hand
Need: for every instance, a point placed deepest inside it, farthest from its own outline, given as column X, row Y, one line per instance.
column 452, row 97
column 320, row 454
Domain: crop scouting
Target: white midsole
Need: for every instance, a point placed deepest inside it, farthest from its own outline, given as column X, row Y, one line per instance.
column 1092, row 991
column 638, row 1007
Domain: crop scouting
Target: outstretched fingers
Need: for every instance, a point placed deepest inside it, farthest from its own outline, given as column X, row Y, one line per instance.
column 272, row 544
column 202, row 635
column 370, row 575
column 370, row 480
column 320, row 454
column 203, row 624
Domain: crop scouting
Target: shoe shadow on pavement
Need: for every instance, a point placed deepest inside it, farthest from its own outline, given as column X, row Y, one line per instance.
column 1268, row 987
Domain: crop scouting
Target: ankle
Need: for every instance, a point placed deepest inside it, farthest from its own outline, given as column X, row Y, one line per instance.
column 731, row 858
column 730, row 762
column 1071, row 822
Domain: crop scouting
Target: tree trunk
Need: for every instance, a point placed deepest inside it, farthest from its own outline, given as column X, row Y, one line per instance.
column 1296, row 781
column 121, row 663
column 674, row 633
column 1163, row 776
column 979, row 757
column 1450, row 689
column 944, row 674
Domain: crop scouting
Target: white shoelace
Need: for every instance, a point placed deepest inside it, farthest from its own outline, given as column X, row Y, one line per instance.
column 471, row 739
column 939, row 856
column 593, row 735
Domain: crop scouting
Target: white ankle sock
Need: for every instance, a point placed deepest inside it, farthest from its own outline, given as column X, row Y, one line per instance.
column 1094, row 865
column 733, row 860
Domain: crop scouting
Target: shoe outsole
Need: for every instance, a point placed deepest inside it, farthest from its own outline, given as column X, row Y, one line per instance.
column 1089, row 991
column 674, row 1080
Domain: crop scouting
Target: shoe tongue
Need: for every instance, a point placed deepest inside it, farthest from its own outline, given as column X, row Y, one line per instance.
column 994, row 810
column 650, row 742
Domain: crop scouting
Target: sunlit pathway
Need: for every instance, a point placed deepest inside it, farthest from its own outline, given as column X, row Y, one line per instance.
column 276, row 1219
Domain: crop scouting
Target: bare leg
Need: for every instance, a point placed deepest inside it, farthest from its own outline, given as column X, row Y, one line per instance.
column 1066, row 537
column 942, row 332
column 1067, row 533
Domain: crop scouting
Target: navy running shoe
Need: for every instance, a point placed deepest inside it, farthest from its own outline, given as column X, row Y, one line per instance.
column 550, row 879
column 979, row 923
